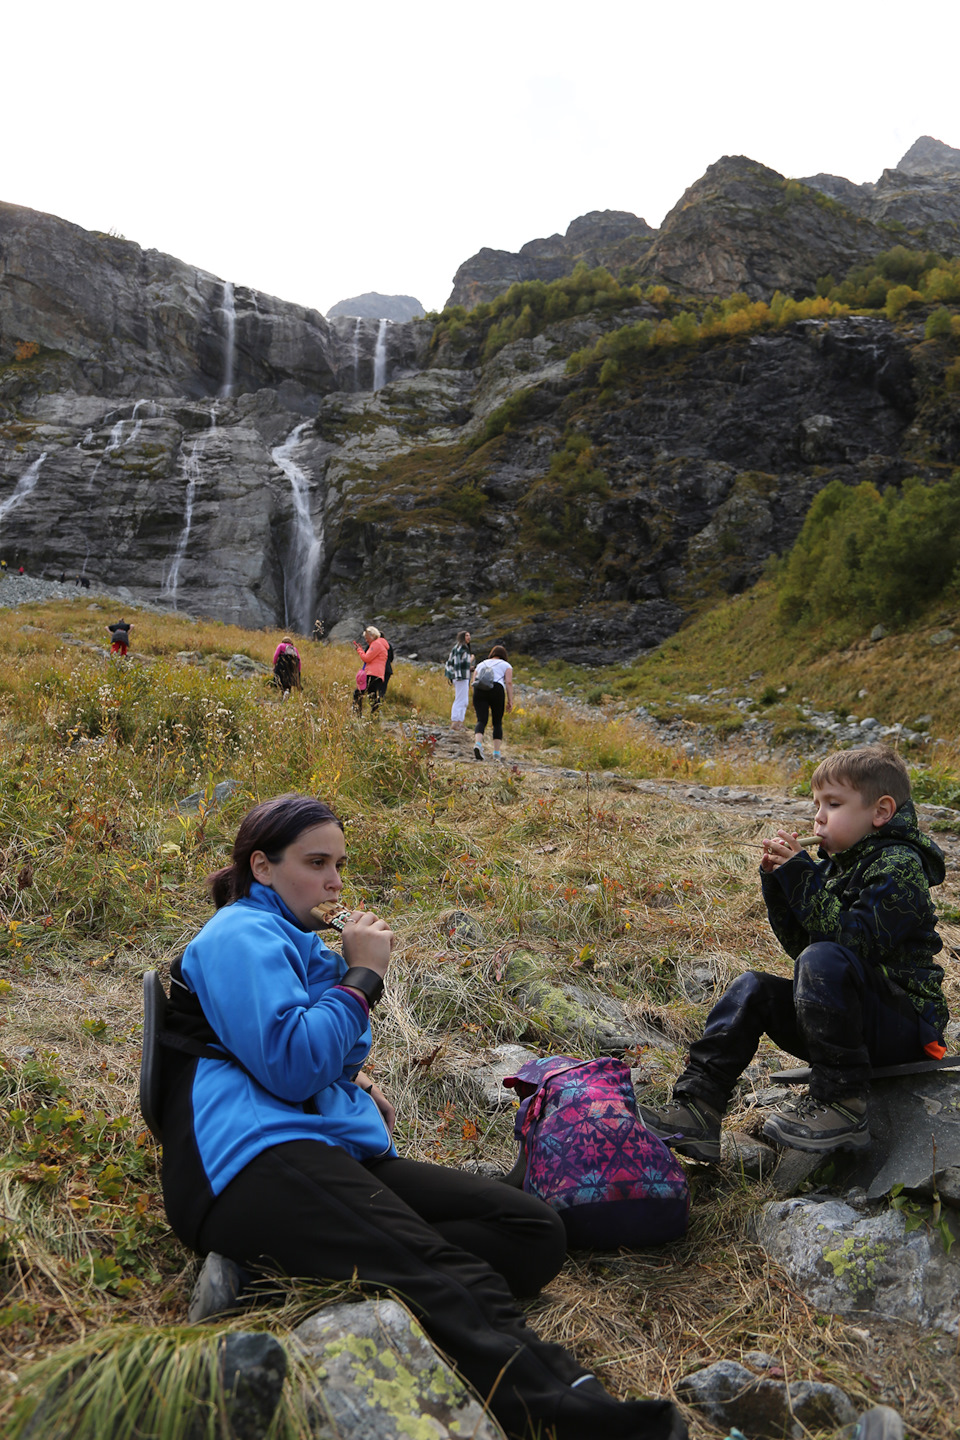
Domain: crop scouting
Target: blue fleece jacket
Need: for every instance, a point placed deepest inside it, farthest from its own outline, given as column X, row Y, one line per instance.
column 268, row 988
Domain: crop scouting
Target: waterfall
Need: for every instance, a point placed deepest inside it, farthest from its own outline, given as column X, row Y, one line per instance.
column 138, row 423
column 306, row 550
column 229, row 312
column 356, row 354
column 23, row 487
column 116, row 435
column 190, row 465
column 380, row 357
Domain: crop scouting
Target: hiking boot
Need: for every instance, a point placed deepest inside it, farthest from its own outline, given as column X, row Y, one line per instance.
column 217, row 1289
column 820, row 1125
column 691, row 1127
column 478, row 748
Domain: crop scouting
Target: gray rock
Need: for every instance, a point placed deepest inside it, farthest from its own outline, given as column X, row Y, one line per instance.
column 698, row 978
column 728, row 1394
column 942, row 637
column 220, row 793
column 381, row 1379
column 747, row 1154
column 586, row 1018
column 909, row 1114
column 487, row 1079
column 843, row 1262
column 253, row 1367
column 461, row 931
column 878, row 632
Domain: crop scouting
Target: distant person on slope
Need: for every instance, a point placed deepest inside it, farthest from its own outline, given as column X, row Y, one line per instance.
column 374, row 659
column 286, row 667
column 492, row 690
column 457, row 670
column 119, row 637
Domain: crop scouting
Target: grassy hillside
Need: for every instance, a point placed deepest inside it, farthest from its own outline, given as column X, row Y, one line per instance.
column 591, row 881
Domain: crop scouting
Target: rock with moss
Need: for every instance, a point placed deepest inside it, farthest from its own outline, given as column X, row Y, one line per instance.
column 379, row 1378
column 582, row 1018
column 893, row 1263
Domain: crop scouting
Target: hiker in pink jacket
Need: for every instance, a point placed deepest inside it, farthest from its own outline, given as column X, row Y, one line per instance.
column 374, row 663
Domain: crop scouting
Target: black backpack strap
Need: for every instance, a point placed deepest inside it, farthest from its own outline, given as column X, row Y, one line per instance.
column 187, row 1029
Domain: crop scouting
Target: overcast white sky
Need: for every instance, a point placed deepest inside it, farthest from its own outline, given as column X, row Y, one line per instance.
column 319, row 150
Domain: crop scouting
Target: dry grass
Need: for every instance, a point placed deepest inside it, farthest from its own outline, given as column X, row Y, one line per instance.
column 603, row 885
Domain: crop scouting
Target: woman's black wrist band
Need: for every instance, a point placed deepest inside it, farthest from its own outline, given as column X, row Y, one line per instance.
column 368, row 982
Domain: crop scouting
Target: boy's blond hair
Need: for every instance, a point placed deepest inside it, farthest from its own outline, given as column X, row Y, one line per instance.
column 872, row 770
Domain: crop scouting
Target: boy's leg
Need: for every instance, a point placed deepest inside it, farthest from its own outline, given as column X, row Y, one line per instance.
column 850, row 1019
column 753, row 1005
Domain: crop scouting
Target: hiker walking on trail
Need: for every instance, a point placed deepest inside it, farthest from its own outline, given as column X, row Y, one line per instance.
column 861, row 928
column 374, row 659
column 119, row 637
column 492, row 692
column 286, row 667
column 457, row 670
column 278, row 1148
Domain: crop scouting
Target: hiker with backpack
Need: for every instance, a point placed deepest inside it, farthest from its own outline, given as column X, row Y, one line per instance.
column 286, row 667
column 120, row 637
column 492, row 693
column 278, row 1148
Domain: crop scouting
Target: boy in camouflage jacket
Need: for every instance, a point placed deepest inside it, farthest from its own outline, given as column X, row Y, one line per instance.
column 861, row 928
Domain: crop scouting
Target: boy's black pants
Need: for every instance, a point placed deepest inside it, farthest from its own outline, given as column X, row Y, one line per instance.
column 838, row 1012
column 452, row 1246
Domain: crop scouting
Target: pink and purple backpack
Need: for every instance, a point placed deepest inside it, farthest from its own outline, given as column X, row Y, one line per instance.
column 590, row 1156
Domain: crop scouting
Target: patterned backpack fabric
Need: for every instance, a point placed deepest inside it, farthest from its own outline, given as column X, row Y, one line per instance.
column 590, row 1156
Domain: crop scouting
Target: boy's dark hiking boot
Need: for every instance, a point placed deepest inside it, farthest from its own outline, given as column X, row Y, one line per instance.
column 820, row 1125
column 690, row 1126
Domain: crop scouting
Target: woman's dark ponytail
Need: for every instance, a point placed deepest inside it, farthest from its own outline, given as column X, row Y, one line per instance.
column 270, row 826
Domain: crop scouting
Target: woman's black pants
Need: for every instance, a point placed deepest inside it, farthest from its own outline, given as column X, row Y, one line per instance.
column 452, row 1246
column 376, row 689
column 489, row 703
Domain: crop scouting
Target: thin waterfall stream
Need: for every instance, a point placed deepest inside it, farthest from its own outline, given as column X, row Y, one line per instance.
column 306, row 550
column 190, row 465
column 23, row 487
column 380, row 357
column 229, row 312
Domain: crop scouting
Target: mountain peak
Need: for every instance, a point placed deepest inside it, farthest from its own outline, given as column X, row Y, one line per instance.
column 928, row 156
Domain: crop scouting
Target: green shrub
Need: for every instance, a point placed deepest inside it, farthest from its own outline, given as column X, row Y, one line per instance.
column 867, row 557
column 938, row 324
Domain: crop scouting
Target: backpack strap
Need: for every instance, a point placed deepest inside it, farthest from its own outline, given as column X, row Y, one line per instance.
column 186, row 1027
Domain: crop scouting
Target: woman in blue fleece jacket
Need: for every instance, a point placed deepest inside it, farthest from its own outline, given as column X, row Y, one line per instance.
column 278, row 1150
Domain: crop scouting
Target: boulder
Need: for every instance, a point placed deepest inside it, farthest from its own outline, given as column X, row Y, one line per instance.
column 846, row 1262
column 587, row 1019
column 728, row 1394
column 487, row 1078
column 379, row 1378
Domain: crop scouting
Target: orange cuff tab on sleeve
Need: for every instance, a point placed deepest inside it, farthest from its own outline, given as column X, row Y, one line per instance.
column 935, row 1050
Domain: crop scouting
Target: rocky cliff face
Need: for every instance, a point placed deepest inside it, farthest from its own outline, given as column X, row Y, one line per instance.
column 613, row 238
column 743, row 227
column 708, row 464
column 215, row 449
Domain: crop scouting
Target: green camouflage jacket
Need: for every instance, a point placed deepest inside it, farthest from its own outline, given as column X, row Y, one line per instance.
column 875, row 899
